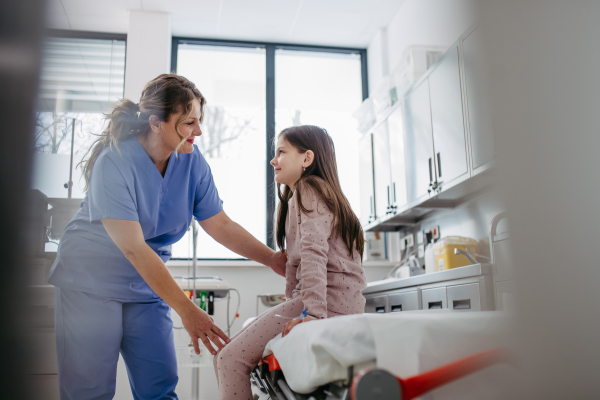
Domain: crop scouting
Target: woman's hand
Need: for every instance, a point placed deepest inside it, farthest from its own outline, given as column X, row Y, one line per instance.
column 277, row 262
column 291, row 324
column 200, row 325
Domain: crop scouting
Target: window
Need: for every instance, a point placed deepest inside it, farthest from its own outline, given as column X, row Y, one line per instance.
column 80, row 79
column 323, row 89
column 253, row 91
column 233, row 81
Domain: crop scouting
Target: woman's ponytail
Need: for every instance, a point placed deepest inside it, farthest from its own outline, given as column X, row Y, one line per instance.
column 123, row 122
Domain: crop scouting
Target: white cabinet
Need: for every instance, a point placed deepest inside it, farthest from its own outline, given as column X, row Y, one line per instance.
column 434, row 299
column 376, row 304
column 447, row 120
column 365, row 164
column 404, row 301
column 419, row 143
column 399, row 196
column 478, row 107
column 381, row 169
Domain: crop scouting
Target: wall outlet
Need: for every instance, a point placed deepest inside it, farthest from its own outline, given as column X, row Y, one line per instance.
column 410, row 240
column 420, row 237
column 435, row 232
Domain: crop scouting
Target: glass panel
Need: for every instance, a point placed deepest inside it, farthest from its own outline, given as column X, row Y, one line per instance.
column 323, row 89
column 233, row 80
column 80, row 79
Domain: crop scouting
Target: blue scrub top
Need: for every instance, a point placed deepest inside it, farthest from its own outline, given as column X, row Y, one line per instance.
column 128, row 186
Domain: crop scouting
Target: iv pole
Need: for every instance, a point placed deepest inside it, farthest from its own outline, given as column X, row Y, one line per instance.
column 195, row 370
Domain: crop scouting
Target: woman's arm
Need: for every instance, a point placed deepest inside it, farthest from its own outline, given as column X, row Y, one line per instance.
column 129, row 238
column 231, row 235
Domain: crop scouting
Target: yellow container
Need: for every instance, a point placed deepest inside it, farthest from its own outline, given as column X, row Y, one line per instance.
column 443, row 251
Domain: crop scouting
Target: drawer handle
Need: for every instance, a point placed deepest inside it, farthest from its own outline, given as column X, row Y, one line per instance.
column 461, row 304
column 433, row 305
column 397, row 308
column 380, row 309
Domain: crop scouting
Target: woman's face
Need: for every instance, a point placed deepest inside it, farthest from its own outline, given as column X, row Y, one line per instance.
column 288, row 163
column 189, row 129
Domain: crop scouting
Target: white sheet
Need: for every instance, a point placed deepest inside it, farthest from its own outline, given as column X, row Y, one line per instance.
column 405, row 344
column 319, row 352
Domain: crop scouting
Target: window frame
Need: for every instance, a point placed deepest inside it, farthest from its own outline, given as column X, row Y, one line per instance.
column 270, row 48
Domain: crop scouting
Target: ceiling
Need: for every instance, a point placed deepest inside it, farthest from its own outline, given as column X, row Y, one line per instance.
column 350, row 23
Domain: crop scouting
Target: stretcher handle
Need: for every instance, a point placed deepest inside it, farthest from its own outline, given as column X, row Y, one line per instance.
column 418, row 385
column 273, row 363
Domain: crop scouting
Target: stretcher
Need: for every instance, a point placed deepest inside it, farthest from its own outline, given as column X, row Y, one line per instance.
column 352, row 358
column 374, row 383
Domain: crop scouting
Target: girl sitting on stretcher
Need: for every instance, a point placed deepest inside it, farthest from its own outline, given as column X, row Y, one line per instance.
column 324, row 240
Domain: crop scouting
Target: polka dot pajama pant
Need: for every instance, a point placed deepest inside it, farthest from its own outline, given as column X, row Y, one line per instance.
column 234, row 362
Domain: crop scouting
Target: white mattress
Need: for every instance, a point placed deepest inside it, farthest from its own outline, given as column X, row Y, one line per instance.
column 405, row 344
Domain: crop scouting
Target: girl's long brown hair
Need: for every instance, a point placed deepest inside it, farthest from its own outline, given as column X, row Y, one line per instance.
column 163, row 96
column 322, row 176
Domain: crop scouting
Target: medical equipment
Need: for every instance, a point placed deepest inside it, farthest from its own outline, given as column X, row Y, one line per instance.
column 446, row 256
column 269, row 300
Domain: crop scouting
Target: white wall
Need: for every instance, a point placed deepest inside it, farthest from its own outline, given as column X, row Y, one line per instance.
column 418, row 23
column 148, row 50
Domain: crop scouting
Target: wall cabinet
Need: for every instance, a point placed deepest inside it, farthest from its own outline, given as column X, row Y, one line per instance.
column 447, row 120
column 427, row 149
column 381, row 169
column 399, row 195
column 419, row 143
column 365, row 164
column 478, row 107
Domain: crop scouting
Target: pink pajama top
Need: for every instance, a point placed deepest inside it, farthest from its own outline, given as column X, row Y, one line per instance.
column 319, row 269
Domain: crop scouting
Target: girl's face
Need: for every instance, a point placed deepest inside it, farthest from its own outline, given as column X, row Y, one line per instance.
column 189, row 129
column 288, row 162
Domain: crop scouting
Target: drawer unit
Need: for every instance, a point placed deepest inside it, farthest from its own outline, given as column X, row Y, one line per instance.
column 464, row 297
column 407, row 301
column 377, row 304
column 434, row 298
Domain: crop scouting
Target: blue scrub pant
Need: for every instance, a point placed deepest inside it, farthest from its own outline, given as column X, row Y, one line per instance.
column 92, row 330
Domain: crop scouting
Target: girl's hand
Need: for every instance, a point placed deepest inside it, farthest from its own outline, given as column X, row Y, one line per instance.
column 290, row 324
column 277, row 262
column 200, row 325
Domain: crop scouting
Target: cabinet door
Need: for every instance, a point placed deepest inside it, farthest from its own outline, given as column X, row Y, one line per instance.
column 447, row 119
column 397, row 158
column 376, row 304
column 407, row 301
column 480, row 127
column 365, row 161
column 419, row 143
column 381, row 164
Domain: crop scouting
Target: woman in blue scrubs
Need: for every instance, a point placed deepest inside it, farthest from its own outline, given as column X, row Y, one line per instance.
column 145, row 181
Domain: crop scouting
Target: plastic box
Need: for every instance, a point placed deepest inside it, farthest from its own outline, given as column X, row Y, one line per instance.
column 365, row 115
column 415, row 61
column 443, row 251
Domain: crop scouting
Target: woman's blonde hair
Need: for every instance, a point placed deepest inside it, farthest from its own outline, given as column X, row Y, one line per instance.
column 165, row 95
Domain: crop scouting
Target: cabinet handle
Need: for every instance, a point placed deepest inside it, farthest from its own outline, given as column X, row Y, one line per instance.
column 439, row 165
column 434, row 305
column 397, row 308
column 430, row 171
column 372, row 211
column 380, row 309
column 394, row 184
column 388, row 193
column 461, row 304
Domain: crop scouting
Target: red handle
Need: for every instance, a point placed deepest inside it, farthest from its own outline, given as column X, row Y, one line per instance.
column 418, row 385
column 273, row 363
